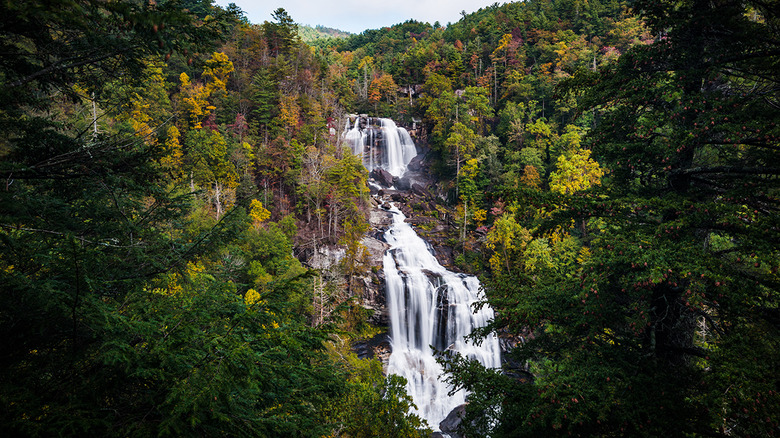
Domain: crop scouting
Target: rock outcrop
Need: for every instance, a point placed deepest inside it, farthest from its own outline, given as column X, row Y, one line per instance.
column 452, row 422
column 382, row 177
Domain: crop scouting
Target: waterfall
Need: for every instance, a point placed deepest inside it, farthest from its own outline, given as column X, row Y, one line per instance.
column 399, row 152
column 383, row 145
column 407, row 144
column 430, row 306
column 353, row 137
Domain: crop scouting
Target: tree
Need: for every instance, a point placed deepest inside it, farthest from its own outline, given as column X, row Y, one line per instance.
column 282, row 36
column 505, row 236
column 460, row 146
column 381, row 87
column 477, row 108
column 265, row 98
column 575, row 171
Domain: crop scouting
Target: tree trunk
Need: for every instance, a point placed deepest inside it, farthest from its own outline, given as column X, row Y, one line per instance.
column 218, row 199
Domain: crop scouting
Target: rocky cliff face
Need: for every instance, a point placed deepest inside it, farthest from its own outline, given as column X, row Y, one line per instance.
column 374, row 282
column 418, row 196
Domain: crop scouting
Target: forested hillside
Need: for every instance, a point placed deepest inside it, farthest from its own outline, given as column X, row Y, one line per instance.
column 608, row 168
column 310, row 34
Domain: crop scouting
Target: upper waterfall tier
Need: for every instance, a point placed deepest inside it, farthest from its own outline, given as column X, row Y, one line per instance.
column 381, row 143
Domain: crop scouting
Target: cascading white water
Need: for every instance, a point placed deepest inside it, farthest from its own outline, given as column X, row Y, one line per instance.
column 398, row 152
column 353, row 137
column 430, row 306
column 397, row 147
column 407, row 144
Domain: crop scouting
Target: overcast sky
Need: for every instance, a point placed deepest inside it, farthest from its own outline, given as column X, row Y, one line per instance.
column 358, row 15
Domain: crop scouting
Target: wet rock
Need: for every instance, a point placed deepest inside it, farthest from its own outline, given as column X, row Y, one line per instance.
column 377, row 347
column 382, row 177
column 453, row 420
column 404, row 183
column 421, row 191
column 380, row 218
column 387, row 192
column 416, row 163
column 373, row 187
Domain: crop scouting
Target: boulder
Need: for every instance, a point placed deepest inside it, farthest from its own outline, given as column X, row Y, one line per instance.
column 380, row 218
column 373, row 188
column 421, row 191
column 395, row 195
column 451, row 423
column 404, row 183
column 387, row 192
column 382, row 177
column 416, row 163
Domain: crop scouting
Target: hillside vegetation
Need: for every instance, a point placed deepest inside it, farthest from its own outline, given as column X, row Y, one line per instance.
column 310, row 34
column 611, row 168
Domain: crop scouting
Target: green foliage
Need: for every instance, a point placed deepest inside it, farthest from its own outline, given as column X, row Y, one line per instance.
column 282, row 36
column 635, row 299
column 374, row 405
column 477, row 108
column 123, row 300
column 310, row 34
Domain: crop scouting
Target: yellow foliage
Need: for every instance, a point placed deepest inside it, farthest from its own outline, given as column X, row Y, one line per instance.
column 143, row 108
column 289, row 113
column 173, row 157
column 367, row 61
column 139, row 120
column 251, row 297
column 194, row 96
column 194, row 268
column 217, row 72
column 504, row 237
column 607, row 335
column 258, row 213
column 249, row 151
column 531, row 177
column 558, row 235
column 575, row 171
column 195, row 100
column 471, row 168
column 583, row 256
column 479, row 216
column 502, row 44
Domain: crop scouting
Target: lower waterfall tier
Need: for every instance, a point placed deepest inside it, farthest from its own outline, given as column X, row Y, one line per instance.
column 430, row 306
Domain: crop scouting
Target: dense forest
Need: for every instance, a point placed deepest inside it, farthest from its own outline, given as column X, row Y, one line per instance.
column 605, row 166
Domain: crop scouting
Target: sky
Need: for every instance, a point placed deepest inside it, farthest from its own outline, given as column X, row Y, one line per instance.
column 358, row 15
